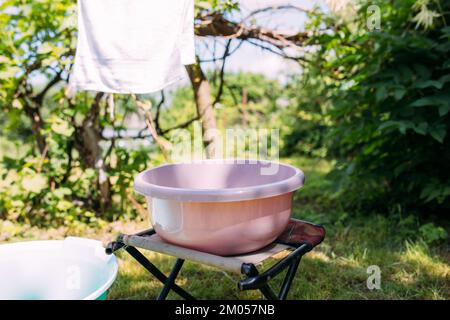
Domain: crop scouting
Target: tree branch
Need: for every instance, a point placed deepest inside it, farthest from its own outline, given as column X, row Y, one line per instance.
column 158, row 112
column 222, row 74
column 230, row 52
column 40, row 97
column 216, row 25
column 180, row 126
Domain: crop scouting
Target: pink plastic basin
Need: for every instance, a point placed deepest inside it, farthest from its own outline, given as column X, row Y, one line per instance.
column 220, row 207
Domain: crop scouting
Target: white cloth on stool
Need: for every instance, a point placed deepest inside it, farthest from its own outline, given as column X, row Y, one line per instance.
column 132, row 46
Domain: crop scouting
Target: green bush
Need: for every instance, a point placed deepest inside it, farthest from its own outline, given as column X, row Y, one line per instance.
column 431, row 233
column 388, row 96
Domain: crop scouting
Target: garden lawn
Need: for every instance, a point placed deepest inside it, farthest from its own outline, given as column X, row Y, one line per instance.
column 411, row 268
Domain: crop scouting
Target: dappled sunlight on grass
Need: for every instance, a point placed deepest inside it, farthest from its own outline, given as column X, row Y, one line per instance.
column 319, row 256
column 348, row 262
column 417, row 256
column 420, row 269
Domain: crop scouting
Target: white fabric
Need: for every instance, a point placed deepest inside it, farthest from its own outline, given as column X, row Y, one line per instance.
column 132, row 46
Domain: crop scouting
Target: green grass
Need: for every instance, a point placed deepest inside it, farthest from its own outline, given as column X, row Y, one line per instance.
column 336, row 269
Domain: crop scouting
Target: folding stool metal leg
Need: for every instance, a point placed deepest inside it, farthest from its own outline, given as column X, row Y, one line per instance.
column 170, row 280
column 258, row 281
column 290, row 274
column 157, row 273
column 251, row 272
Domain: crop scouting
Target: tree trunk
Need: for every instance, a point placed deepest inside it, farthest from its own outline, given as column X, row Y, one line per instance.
column 34, row 115
column 205, row 109
column 88, row 138
column 244, row 107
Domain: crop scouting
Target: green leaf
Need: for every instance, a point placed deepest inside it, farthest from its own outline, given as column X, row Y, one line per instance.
column 61, row 192
column 4, row 60
column 400, row 169
column 406, row 73
column 443, row 110
column 62, row 127
column 428, row 83
column 422, row 71
column 399, row 93
column 401, row 125
column 438, row 84
column 17, row 104
column 35, row 184
column 444, row 79
column 9, row 72
column 437, row 99
column 64, row 205
column 387, row 124
column 45, row 48
column 438, row 133
column 421, row 128
column 431, row 233
column 381, row 94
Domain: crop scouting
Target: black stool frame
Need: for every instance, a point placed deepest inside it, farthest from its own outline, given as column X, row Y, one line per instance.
column 253, row 280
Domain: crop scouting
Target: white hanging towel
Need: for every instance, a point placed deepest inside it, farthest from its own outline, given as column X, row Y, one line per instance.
column 132, row 46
